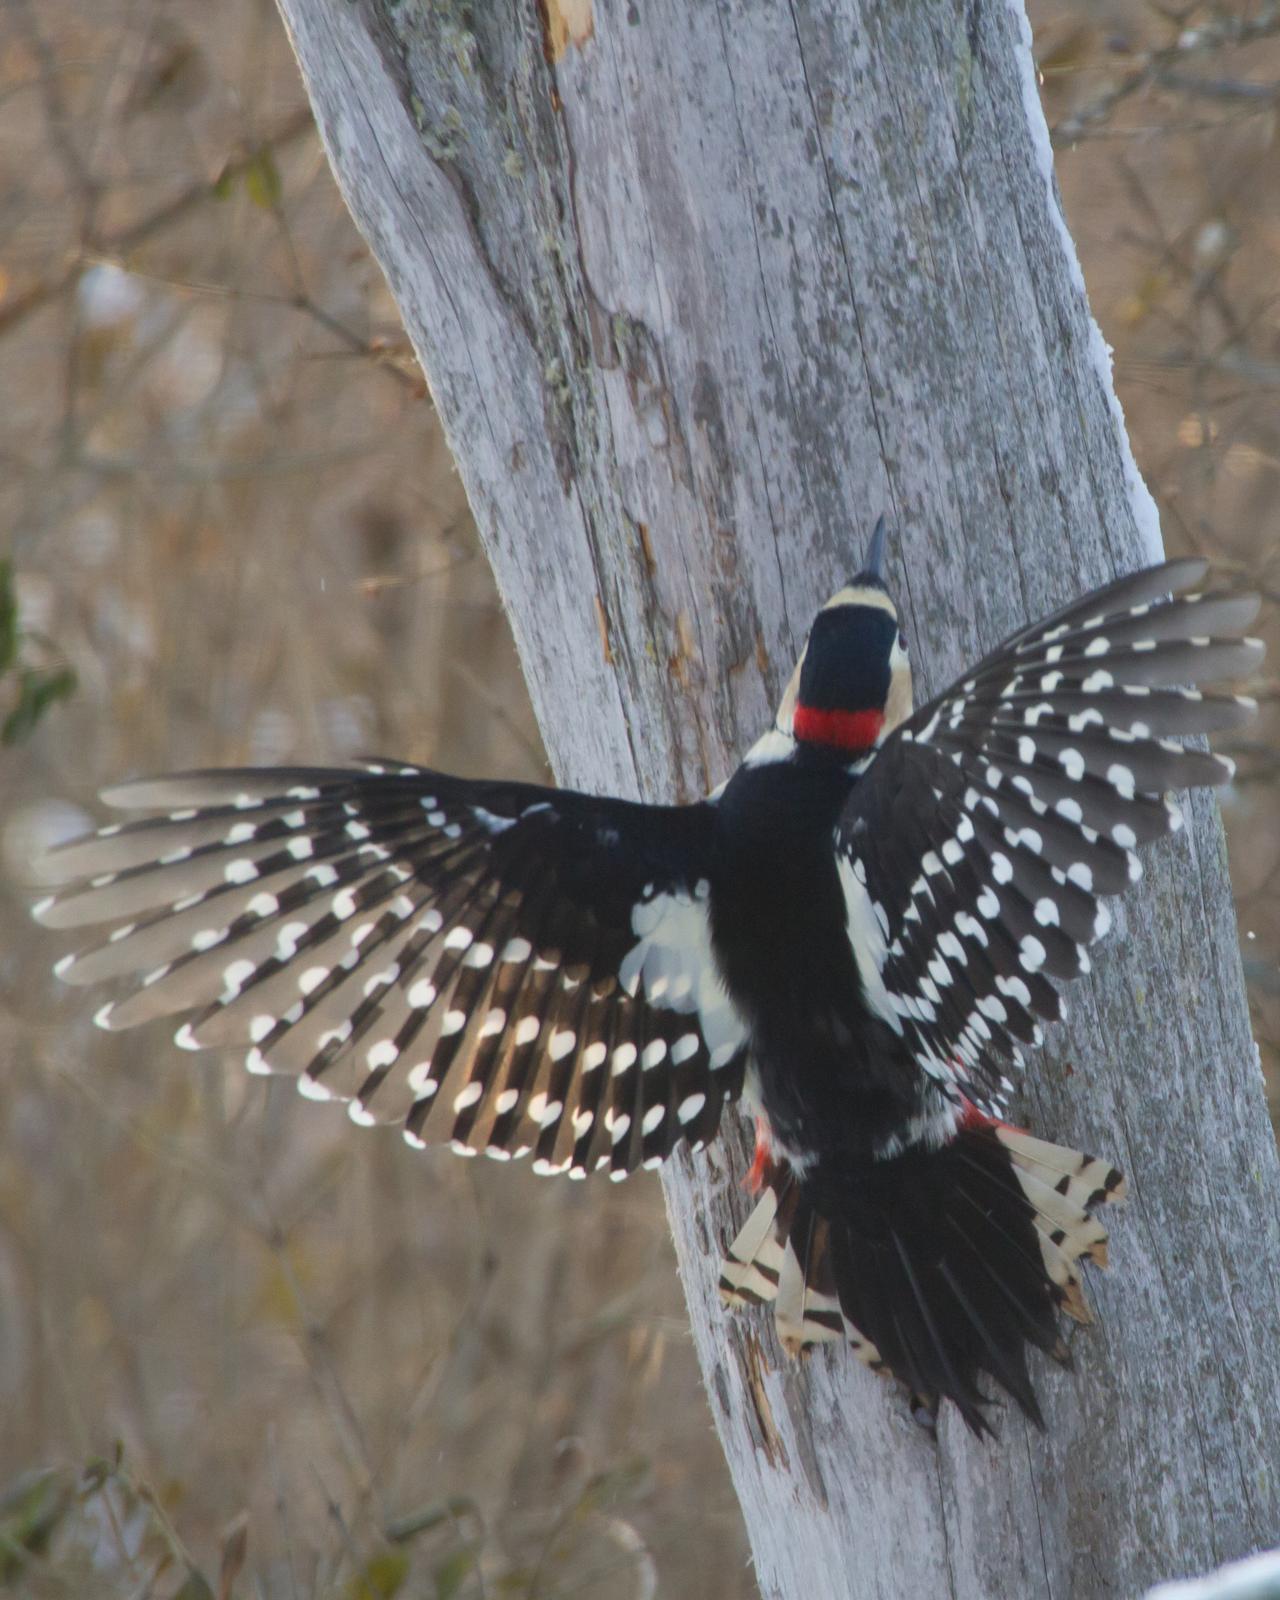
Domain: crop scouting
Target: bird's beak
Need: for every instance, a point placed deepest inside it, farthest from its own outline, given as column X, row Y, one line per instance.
column 873, row 565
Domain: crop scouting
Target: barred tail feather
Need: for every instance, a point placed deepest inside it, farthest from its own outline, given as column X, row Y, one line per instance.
column 782, row 1256
column 939, row 1266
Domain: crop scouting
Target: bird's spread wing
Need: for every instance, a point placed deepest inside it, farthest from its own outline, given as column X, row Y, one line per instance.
column 513, row 969
column 977, row 846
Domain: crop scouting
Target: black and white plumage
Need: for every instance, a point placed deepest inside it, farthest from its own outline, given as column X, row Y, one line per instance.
column 504, row 967
column 860, row 929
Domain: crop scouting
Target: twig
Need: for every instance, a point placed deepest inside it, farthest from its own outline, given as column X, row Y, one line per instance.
column 113, row 246
column 1153, row 66
column 1219, row 88
column 299, row 301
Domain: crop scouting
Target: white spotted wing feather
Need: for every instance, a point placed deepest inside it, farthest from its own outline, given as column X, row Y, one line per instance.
column 992, row 823
column 504, row 968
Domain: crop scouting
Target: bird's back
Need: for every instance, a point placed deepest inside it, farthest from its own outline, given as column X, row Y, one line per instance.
column 830, row 1075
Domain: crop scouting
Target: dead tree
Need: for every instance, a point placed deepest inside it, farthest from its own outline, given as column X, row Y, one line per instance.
column 700, row 289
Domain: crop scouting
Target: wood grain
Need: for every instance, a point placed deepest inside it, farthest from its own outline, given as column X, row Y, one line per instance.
column 696, row 302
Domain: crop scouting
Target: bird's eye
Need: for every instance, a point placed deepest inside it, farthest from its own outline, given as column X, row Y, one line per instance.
column 902, row 640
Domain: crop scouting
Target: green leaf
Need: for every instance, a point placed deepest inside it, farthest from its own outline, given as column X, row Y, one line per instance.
column 30, row 1509
column 615, row 1486
column 381, row 1576
column 8, row 617
column 453, row 1510
column 194, row 1588
column 262, row 180
column 452, row 1573
column 37, row 691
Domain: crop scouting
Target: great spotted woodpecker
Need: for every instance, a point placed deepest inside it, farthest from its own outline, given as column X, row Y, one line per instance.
column 857, row 932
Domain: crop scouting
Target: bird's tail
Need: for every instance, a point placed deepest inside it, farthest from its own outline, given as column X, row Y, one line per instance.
column 937, row 1266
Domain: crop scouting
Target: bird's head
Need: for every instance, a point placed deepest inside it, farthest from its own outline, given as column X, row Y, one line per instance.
column 852, row 685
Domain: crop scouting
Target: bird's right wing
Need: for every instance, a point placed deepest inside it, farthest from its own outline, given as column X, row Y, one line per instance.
column 513, row 969
column 977, row 847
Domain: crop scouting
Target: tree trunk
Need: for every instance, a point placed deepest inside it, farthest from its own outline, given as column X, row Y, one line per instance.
column 700, row 290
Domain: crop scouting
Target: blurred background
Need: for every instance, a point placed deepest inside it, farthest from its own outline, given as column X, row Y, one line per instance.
column 242, row 1348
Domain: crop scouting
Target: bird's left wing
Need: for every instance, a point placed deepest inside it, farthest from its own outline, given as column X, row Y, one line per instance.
column 505, row 967
column 976, row 847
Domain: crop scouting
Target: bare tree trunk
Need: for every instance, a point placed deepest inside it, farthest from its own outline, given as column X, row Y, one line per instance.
column 701, row 287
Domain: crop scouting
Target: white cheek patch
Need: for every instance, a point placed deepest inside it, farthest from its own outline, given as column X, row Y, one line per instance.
column 673, row 961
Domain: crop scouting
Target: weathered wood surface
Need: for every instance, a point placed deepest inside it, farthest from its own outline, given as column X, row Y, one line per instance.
column 700, row 289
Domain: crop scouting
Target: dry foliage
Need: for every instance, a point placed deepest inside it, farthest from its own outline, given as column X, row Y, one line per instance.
column 243, row 1349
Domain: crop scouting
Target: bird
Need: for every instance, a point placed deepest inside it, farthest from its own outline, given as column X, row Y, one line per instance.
column 858, row 935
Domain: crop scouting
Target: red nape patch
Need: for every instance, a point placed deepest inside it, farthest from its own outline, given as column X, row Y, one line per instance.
column 847, row 730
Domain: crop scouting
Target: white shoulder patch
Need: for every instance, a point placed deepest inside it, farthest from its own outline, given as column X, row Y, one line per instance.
column 865, row 926
column 673, row 960
column 770, row 747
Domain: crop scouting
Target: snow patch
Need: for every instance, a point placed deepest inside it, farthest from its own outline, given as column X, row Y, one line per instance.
column 1143, row 506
